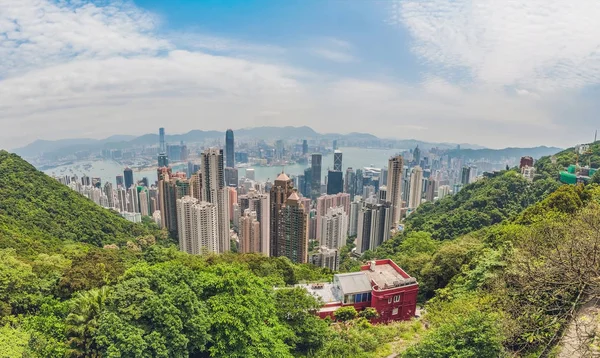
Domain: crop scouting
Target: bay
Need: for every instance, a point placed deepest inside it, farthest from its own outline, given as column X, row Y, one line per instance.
column 353, row 157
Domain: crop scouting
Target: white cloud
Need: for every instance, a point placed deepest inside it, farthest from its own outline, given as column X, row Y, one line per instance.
column 538, row 45
column 72, row 69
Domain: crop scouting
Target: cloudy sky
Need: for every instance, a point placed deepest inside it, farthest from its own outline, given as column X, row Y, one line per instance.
column 488, row 72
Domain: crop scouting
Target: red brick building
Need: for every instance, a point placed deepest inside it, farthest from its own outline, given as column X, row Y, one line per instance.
column 526, row 162
column 381, row 284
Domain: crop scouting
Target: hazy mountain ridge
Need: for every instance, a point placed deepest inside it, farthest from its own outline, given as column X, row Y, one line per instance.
column 67, row 146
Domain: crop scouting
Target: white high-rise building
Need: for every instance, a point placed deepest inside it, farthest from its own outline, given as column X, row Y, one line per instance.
column 394, row 188
column 134, row 203
column 216, row 192
column 334, row 228
column 443, row 190
column 355, row 208
column 196, row 226
column 416, row 188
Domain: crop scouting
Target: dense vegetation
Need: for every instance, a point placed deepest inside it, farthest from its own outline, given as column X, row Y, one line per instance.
column 78, row 280
column 546, row 168
column 503, row 266
column 38, row 214
column 486, row 202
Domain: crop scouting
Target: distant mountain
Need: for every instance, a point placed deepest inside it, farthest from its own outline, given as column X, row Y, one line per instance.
column 68, row 146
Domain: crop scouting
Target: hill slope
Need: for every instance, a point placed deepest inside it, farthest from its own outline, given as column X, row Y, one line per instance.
column 480, row 204
column 37, row 212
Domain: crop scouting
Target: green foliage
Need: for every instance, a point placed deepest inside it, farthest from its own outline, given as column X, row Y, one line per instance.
column 473, row 334
column 345, row 313
column 38, row 214
column 369, row 313
column 483, row 203
column 82, row 322
column 13, row 341
column 296, row 309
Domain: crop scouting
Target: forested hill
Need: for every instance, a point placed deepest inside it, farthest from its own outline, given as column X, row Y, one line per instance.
column 486, row 202
column 545, row 167
column 37, row 213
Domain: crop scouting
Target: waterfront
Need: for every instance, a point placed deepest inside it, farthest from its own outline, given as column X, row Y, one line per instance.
column 353, row 157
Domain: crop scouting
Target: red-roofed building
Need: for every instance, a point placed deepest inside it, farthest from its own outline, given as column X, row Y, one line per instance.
column 381, row 284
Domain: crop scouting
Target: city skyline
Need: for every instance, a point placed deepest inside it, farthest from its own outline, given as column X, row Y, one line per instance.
column 418, row 80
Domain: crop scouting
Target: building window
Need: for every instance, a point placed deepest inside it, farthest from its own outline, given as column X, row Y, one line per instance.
column 390, row 300
column 395, row 311
column 397, row 298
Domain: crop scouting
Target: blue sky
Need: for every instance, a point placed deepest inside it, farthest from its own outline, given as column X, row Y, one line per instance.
column 516, row 73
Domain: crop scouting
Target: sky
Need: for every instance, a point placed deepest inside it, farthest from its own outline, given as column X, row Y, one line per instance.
column 487, row 72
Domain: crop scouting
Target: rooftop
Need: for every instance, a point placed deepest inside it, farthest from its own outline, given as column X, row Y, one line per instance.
column 324, row 290
column 354, row 282
column 282, row 177
column 387, row 275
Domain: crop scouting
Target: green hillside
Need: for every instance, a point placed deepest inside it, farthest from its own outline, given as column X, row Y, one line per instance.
column 506, row 283
column 486, row 202
column 545, row 168
column 38, row 214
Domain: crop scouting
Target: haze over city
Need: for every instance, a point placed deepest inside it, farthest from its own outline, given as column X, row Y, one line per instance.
column 484, row 72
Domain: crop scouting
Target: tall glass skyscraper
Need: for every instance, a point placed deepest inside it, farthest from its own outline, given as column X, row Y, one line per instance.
column 229, row 149
column 315, row 187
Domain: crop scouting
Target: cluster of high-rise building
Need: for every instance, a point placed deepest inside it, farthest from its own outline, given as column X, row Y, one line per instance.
column 209, row 208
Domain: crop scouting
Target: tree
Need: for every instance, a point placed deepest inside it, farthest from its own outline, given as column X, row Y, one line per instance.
column 472, row 335
column 297, row 309
column 369, row 313
column 595, row 178
column 82, row 322
column 13, row 342
column 346, row 313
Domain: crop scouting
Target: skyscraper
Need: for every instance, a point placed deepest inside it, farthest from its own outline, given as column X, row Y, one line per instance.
column 231, row 177
column 316, row 176
column 335, row 183
column 170, row 189
column 465, row 177
column 163, row 160
column 215, row 192
column 306, row 189
column 288, row 231
column 443, row 191
column 196, row 226
column 304, row 147
column 416, row 188
column 144, row 201
column 120, row 181
column 334, row 228
column 394, row 188
column 355, row 208
column 161, row 140
column 230, row 149
column 373, row 226
column 431, row 187
column 128, row 175
column 108, row 191
column 337, row 161
column 417, row 155
column 249, row 232
column 359, row 182
column 350, row 183
column 259, row 203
